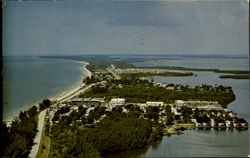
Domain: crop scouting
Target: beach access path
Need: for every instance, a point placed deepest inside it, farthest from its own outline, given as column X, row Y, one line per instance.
column 38, row 136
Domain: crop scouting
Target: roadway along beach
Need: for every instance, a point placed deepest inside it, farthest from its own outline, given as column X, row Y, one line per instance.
column 70, row 94
column 64, row 94
column 37, row 139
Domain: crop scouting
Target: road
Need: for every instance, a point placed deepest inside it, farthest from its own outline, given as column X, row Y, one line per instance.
column 38, row 136
column 42, row 114
column 110, row 70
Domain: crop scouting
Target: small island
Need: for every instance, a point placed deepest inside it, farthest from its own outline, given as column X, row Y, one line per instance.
column 234, row 74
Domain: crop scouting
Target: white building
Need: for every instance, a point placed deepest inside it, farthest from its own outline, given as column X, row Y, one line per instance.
column 228, row 123
column 210, row 108
column 220, row 124
column 116, row 102
column 170, row 88
column 194, row 121
column 180, row 103
column 212, row 123
column 75, row 108
column 154, row 103
column 88, row 101
column 175, row 111
column 76, row 101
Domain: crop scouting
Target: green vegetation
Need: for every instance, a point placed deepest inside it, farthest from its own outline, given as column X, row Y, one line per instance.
column 187, row 114
column 45, row 141
column 17, row 140
column 140, row 91
column 197, row 69
column 45, row 104
column 148, row 74
column 97, row 78
column 170, row 115
column 103, row 65
column 116, row 132
column 152, row 112
column 235, row 76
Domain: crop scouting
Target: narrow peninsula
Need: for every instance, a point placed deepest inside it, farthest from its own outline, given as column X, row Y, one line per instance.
column 117, row 109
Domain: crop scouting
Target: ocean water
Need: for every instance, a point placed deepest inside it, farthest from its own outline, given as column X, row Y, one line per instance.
column 203, row 143
column 28, row 80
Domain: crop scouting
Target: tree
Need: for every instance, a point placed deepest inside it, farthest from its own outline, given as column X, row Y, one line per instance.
column 170, row 120
column 23, row 115
column 32, row 111
column 152, row 112
column 45, row 104
column 4, row 137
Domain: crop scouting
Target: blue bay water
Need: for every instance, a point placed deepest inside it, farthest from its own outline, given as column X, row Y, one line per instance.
column 28, row 80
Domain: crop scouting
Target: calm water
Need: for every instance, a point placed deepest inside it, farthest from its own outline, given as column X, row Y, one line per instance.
column 202, row 143
column 28, row 80
column 193, row 143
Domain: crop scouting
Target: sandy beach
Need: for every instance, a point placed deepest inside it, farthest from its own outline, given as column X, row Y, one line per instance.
column 64, row 94
column 75, row 88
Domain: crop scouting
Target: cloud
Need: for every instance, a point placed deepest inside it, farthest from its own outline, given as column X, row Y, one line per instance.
column 119, row 27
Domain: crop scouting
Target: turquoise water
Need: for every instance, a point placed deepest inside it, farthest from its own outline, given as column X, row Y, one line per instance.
column 28, row 80
column 203, row 143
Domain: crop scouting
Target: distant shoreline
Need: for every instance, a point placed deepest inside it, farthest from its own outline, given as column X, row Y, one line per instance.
column 195, row 69
column 62, row 95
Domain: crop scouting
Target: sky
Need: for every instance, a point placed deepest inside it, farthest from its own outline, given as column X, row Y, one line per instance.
column 126, row 27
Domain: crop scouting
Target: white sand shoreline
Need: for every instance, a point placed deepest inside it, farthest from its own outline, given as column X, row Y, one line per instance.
column 62, row 95
column 75, row 88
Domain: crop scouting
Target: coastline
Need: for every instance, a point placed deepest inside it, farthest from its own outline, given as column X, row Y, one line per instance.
column 76, row 86
column 58, row 96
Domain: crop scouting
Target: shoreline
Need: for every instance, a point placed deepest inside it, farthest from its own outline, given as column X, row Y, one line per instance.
column 76, row 86
column 59, row 96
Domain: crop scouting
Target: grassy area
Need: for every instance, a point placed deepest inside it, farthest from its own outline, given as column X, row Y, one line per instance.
column 141, row 91
column 103, row 65
column 235, row 76
column 149, row 74
column 185, row 126
column 44, row 144
column 197, row 69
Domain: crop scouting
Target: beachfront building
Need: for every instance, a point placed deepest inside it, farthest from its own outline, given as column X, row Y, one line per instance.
column 180, row 103
column 76, row 101
column 88, row 101
column 116, row 102
column 149, row 103
column 210, row 108
column 175, row 111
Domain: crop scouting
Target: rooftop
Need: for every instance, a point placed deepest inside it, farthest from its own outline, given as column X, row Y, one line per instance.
column 117, row 100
